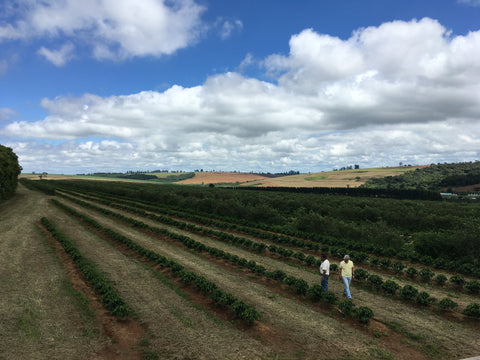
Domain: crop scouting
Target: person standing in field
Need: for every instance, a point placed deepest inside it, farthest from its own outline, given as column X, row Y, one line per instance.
column 346, row 275
column 325, row 271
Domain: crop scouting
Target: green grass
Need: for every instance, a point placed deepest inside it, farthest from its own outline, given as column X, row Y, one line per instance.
column 29, row 318
column 395, row 326
column 79, row 300
column 313, row 178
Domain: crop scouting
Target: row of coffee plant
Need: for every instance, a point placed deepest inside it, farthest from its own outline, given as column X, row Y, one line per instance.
column 408, row 293
column 45, row 186
column 314, row 292
column 425, row 275
column 375, row 282
column 315, row 242
column 415, row 231
column 239, row 307
column 389, row 287
column 109, row 295
column 239, row 241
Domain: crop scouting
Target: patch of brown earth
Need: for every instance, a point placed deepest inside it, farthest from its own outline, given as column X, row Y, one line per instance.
column 206, row 178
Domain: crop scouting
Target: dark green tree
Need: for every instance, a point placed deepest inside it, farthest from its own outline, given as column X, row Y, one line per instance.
column 9, row 171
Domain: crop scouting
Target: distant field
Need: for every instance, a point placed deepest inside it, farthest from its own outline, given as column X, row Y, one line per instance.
column 222, row 177
column 346, row 178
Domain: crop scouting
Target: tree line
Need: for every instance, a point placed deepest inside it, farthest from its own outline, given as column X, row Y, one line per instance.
column 9, row 171
column 433, row 177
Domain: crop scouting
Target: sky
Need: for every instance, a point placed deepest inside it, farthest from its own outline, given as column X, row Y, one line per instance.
column 238, row 85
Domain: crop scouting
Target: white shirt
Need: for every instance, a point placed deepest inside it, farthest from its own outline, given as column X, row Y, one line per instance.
column 325, row 265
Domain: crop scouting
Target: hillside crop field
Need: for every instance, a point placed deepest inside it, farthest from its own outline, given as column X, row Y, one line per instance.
column 344, row 178
column 177, row 283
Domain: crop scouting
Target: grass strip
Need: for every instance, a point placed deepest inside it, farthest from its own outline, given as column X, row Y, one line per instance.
column 109, row 295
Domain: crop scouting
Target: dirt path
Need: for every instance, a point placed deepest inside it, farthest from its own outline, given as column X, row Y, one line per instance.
column 38, row 317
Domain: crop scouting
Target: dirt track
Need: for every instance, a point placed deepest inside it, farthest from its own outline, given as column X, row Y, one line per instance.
column 38, row 318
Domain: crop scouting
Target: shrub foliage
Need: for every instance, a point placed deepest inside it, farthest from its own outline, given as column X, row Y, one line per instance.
column 9, row 171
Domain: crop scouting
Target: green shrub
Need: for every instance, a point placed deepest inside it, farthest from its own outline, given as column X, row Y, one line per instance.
column 473, row 287
column 329, row 297
column 440, row 279
column 473, row 310
column 361, row 257
column 390, row 287
column 426, row 274
column 250, row 315
column 259, row 269
column 375, row 282
column 423, row 299
column 289, row 280
column 398, row 266
column 385, row 263
column 457, row 280
column 301, row 286
column 187, row 276
column 278, row 275
column 239, row 307
column 363, row 314
column 333, row 267
column 347, row 307
column 227, row 299
column 411, row 272
column 374, row 261
column 361, row 274
column 299, row 255
column 408, row 292
column 310, row 260
column 315, row 292
column 447, row 304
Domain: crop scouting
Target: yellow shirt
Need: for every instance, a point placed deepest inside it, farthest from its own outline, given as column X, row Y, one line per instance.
column 346, row 268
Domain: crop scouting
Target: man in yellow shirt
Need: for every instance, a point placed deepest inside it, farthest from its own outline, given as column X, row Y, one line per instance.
column 346, row 275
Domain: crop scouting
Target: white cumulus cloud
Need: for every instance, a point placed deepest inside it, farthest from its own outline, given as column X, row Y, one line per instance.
column 402, row 91
column 114, row 29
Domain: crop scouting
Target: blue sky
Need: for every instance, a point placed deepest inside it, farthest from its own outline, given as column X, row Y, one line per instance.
column 103, row 85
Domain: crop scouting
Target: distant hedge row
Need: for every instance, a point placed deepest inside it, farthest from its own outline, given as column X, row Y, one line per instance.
column 9, row 171
column 412, row 194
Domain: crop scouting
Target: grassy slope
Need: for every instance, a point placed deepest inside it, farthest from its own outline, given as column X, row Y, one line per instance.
column 346, row 178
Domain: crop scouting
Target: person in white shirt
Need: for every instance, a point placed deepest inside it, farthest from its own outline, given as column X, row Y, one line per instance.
column 325, row 271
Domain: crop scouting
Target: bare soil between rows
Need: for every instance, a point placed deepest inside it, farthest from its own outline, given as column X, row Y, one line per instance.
column 124, row 334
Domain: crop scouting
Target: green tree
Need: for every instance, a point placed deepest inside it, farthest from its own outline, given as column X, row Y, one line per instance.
column 9, row 171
